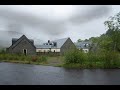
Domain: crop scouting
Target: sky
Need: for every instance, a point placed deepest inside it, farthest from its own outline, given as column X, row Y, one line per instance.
column 50, row 22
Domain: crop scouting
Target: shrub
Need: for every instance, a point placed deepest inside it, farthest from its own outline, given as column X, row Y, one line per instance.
column 75, row 56
column 111, row 60
column 99, row 59
column 34, row 58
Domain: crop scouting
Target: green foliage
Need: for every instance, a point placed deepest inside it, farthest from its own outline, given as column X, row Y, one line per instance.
column 101, row 59
column 79, row 40
column 105, row 42
column 2, row 51
column 74, row 56
column 94, row 39
column 114, row 31
column 42, row 59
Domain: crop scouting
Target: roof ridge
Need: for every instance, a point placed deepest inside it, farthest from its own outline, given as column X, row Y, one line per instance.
column 19, row 40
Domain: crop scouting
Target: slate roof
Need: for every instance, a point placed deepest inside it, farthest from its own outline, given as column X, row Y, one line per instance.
column 17, row 41
column 59, row 43
column 43, row 46
column 82, row 44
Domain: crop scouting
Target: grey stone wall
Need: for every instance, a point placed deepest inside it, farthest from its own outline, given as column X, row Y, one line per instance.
column 68, row 45
column 24, row 44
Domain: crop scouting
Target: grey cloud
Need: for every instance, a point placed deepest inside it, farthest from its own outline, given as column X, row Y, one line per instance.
column 51, row 28
column 23, row 19
column 91, row 13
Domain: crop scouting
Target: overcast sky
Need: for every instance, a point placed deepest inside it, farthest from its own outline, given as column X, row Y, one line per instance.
column 43, row 22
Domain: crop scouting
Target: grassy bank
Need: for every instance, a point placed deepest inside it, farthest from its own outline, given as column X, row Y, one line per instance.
column 72, row 59
column 37, row 60
column 23, row 59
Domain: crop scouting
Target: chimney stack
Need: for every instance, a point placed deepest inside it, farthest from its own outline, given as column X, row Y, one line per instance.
column 48, row 41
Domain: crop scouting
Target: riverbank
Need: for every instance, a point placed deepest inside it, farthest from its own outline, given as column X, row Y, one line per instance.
column 50, row 61
column 59, row 62
column 77, row 60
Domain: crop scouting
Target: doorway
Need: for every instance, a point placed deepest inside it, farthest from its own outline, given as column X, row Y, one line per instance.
column 25, row 51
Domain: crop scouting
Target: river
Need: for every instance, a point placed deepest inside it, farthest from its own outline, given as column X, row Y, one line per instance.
column 25, row 74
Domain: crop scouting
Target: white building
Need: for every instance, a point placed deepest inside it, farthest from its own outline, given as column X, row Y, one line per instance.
column 84, row 45
column 59, row 46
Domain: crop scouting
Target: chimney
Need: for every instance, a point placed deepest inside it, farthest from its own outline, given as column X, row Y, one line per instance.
column 14, row 40
column 48, row 41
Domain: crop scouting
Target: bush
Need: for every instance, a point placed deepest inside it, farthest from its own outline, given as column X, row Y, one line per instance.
column 111, row 60
column 34, row 58
column 100, row 59
column 2, row 51
column 75, row 56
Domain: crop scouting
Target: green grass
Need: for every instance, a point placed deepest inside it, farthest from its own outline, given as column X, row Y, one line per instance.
column 37, row 60
column 55, row 61
column 23, row 59
column 72, row 59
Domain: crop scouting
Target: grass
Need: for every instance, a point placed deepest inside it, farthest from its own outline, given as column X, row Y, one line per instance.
column 55, row 61
column 23, row 59
column 51, row 61
column 37, row 60
column 72, row 59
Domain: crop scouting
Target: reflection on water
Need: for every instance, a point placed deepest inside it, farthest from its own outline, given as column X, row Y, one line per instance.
column 23, row 74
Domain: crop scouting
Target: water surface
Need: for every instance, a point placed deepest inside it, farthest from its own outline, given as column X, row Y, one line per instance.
column 25, row 74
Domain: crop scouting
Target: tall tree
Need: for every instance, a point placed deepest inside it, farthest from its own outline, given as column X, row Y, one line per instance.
column 113, row 31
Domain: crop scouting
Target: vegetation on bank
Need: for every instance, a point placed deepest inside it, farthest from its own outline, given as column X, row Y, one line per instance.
column 102, row 59
column 22, row 58
column 72, row 59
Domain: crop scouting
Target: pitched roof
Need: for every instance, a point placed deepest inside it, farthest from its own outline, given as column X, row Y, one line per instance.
column 59, row 43
column 82, row 44
column 43, row 46
column 17, row 41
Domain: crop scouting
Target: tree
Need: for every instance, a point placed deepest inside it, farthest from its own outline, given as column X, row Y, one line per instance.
column 94, row 39
column 113, row 31
column 79, row 40
column 86, row 40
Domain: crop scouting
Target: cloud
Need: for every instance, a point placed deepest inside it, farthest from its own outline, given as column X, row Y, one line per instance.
column 90, row 13
column 51, row 28
column 16, row 18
